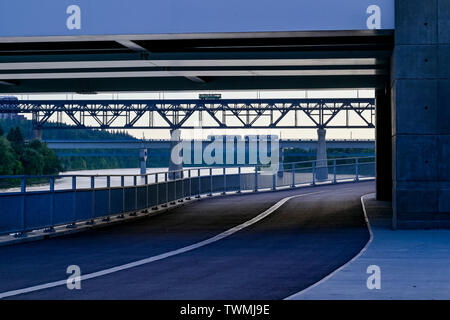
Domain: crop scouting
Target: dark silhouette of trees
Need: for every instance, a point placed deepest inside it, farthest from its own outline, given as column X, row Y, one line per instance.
column 33, row 158
column 75, row 162
column 7, row 157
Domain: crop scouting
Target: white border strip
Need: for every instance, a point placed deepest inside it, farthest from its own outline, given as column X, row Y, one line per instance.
column 297, row 295
column 194, row 246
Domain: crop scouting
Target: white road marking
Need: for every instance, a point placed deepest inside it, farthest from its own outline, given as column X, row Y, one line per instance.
column 298, row 294
column 158, row 257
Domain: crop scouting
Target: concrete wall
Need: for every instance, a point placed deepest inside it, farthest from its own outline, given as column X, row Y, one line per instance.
column 421, row 114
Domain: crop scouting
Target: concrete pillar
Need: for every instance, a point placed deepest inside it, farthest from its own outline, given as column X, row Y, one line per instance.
column 321, row 158
column 383, row 145
column 175, row 138
column 421, row 109
column 143, row 160
column 37, row 134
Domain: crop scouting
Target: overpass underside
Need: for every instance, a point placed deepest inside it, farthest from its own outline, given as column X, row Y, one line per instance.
column 410, row 74
column 233, row 61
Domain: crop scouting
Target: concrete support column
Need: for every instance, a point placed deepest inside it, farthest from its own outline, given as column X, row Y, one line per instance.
column 383, row 145
column 321, row 158
column 421, row 111
column 37, row 134
column 143, row 160
column 174, row 159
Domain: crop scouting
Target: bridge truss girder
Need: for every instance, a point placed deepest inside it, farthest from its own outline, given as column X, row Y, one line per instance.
column 179, row 114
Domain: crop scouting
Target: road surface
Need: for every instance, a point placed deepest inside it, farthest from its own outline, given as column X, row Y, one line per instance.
column 295, row 246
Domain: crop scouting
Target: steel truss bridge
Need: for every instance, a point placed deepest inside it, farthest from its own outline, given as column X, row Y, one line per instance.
column 191, row 114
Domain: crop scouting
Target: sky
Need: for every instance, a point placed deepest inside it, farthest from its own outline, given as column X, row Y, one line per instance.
column 189, row 134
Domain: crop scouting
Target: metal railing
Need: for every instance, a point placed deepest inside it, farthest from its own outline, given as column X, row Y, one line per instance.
column 71, row 199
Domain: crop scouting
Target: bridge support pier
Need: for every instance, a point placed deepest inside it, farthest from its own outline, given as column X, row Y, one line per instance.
column 383, row 145
column 143, row 160
column 37, row 134
column 175, row 160
column 321, row 158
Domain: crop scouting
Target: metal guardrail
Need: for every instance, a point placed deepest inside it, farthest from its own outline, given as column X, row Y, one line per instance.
column 91, row 197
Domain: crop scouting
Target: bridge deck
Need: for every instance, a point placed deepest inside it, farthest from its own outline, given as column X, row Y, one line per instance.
column 295, row 246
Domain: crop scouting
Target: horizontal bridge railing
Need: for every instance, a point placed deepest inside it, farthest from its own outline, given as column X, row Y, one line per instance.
column 51, row 201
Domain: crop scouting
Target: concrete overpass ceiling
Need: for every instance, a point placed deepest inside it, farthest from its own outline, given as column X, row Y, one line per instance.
column 284, row 60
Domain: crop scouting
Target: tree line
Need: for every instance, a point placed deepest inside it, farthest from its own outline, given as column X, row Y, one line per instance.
column 20, row 158
column 80, row 162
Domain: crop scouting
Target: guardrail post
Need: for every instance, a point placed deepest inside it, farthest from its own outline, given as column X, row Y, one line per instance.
column 135, row 196
column 199, row 184
column 274, row 180
column 23, row 190
column 146, row 192
column 240, row 182
column 174, row 187
column 122, row 184
column 334, row 171
column 356, row 169
column 256, row 179
column 166, row 175
column 157, row 192
column 93, row 201
column 135, row 185
column 108, row 185
column 182, row 187
column 74, row 197
column 224, row 181
column 293, row 175
column 210, row 182
column 313, row 168
column 52, row 206
column 190, row 184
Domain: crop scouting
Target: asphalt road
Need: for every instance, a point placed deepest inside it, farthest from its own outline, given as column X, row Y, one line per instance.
column 297, row 245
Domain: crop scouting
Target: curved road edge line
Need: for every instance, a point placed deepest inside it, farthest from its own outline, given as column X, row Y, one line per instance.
column 298, row 294
column 161, row 256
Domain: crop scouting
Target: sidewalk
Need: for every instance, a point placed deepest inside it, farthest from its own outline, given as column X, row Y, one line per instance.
column 415, row 264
